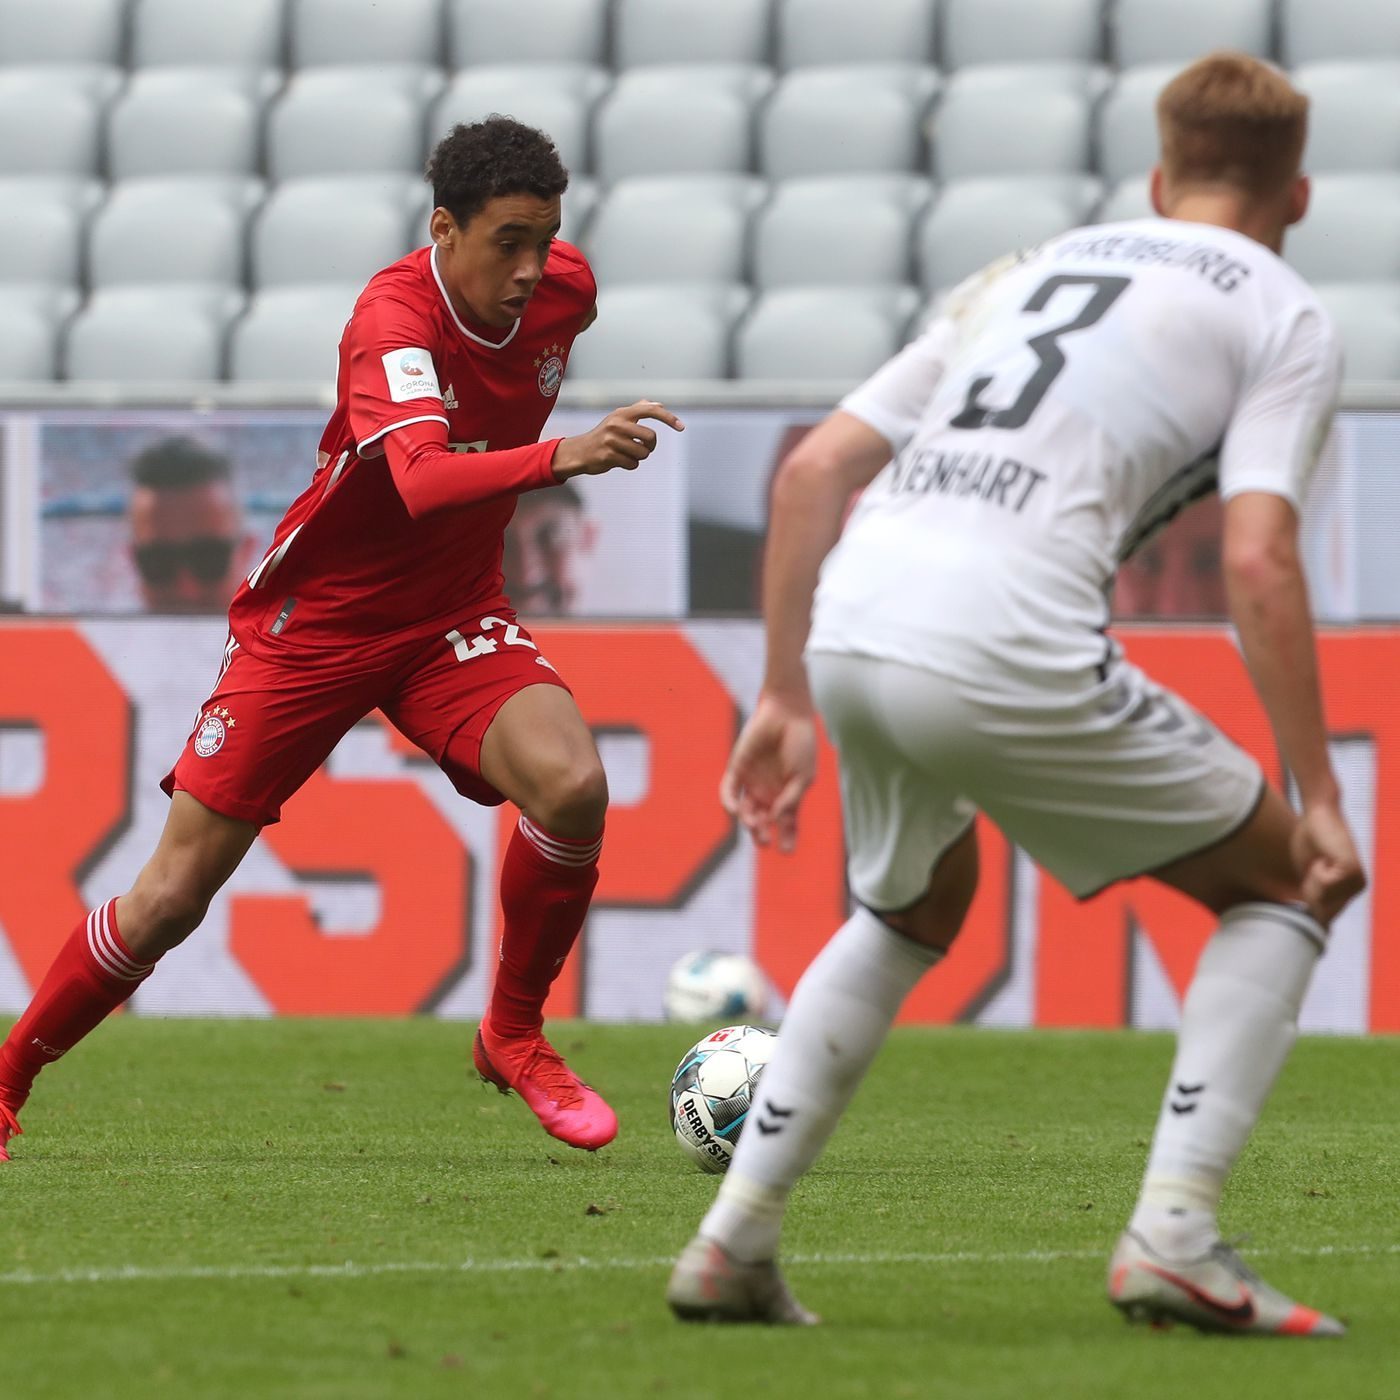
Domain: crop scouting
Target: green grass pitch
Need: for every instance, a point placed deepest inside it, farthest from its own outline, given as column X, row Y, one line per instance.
column 333, row 1209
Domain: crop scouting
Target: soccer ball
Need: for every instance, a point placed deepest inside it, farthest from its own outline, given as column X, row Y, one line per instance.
column 712, row 1090
column 715, row 987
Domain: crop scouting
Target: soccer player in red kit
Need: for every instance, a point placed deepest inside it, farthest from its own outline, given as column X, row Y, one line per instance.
column 382, row 589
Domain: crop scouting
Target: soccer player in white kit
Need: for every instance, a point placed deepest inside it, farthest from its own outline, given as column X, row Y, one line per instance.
column 1062, row 406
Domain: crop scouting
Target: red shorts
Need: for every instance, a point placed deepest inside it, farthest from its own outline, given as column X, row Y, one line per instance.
column 269, row 725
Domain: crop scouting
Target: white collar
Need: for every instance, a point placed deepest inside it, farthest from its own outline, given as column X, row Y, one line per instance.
column 457, row 320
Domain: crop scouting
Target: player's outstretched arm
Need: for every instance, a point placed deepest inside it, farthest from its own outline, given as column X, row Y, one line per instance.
column 622, row 440
column 774, row 760
column 1269, row 604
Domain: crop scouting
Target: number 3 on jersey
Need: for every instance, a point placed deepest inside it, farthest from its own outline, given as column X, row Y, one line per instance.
column 482, row 645
column 1107, row 290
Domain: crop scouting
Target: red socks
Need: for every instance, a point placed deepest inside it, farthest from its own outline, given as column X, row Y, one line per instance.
column 546, row 884
column 92, row 975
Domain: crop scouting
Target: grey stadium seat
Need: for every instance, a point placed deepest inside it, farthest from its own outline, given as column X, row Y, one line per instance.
column 332, row 228
column 681, row 31
column 42, row 218
column 1312, row 30
column 836, row 31
column 31, row 317
column 292, row 334
column 1354, row 120
column 1130, row 199
column 68, row 141
column 846, row 120
column 838, row 230
column 647, row 334
column 248, row 32
column 973, row 222
column 151, row 335
column 1127, row 122
column 1013, row 31
column 558, row 31
column 1012, row 120
column 365, row 31
column 555, row 97
column 1148, row 31
column 347, row 121
column 1368, row 318
column 188, row 121
column 1352, row 230
column 674, row 228
column 173, row 229
column 678, row 121
column 578, row 205
column 823, row 335
column 83, row 31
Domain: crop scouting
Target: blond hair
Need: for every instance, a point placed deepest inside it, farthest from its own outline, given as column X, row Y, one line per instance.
column 1230, row 119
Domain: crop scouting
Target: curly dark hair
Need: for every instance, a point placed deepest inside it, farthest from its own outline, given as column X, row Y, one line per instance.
column 476, row 163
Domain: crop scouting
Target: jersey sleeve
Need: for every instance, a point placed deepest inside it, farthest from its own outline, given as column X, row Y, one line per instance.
column 391, row 380
column 893, row 399
column 1284, row 415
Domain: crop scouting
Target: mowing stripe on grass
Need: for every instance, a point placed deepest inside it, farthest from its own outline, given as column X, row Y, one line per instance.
column 350, row 1269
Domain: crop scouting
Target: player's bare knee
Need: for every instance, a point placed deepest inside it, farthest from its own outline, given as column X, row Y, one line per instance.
column 161, row 912
column 573, row 801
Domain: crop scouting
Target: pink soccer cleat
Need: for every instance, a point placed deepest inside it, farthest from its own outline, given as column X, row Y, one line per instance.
column 9, row 1128
column 566, row 1107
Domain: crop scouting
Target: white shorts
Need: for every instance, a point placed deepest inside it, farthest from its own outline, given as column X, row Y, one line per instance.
column 1096, row 783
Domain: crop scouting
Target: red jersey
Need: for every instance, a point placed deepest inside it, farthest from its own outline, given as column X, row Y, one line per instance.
column 370, row 558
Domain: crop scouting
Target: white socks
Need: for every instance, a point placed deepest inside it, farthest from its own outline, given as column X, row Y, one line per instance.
column 837, row 1020
column 1238, row 1023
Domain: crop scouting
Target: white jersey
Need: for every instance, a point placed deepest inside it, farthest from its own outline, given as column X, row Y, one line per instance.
column 1060, row 409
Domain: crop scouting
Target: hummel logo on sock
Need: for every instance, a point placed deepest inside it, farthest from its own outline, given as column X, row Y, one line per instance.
column 779, row 1113
column 1188, row 1092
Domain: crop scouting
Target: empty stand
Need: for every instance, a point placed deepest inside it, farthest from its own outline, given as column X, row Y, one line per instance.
column 172, row 229
column 1015, row 120
column 1312, row 30
column 68, row 141
column 839, row 230
column 678, row 121
column 1367, row 316
column 578, row 204
column 187, row 32
column 41, row 227
column 80, row 31
column 1352, row 231
column 1127, row 122
column 1149, row 31
column 551, row 31
column 1130, row 199
column 674, row 228
column 31, row 320
column 682, row 31
column 654, row 333
column 349, row 121
column 557, row 98
column 836, row 31
column 976, row 221
column 823, row 335
column 291, row 335
column 333, row 229
column 366, row 31
column 1012, row 31
column 1354, row 120
column 188, row 121
column 851, row 119
column 151, row 335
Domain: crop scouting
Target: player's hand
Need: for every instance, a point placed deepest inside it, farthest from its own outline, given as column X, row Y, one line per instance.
column 772, row 766
column 620, row 440
column 1328, row 866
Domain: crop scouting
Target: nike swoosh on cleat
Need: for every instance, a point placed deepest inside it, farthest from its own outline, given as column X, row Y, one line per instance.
column 1238, row 1314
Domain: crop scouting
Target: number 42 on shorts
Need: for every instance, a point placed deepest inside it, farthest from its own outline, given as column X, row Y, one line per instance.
column 482, row 645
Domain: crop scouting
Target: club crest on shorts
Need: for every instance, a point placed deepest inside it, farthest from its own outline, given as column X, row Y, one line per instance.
column 211, row 731
column 551, row 367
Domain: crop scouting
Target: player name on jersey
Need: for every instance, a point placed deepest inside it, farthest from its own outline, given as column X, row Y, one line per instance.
column 1001, row 480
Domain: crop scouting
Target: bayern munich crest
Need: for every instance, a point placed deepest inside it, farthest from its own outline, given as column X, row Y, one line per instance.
column 551, row 367
column 212, row 730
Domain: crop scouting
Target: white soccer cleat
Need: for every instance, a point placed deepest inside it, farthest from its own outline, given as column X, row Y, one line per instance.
column 1217, row 1292
column 710, row 1285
